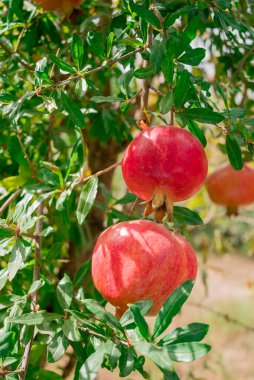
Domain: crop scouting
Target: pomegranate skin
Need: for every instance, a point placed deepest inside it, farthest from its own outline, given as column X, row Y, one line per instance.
column 140, row 260
column 229, row 187
column 167, row 160
column 59, row 5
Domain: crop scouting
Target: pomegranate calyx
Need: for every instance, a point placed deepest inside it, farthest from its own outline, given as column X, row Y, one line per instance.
column 160, row 205
column 232, row 210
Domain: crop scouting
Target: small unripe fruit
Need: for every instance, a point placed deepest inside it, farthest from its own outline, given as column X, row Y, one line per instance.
column 65, row 6
column 164, row 164
column 231, row 188
column 140, row 260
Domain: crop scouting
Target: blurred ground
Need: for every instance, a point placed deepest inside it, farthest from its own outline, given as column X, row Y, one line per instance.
column 230, row 291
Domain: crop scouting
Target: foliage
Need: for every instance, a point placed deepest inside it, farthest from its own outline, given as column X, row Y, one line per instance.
column 71, row 88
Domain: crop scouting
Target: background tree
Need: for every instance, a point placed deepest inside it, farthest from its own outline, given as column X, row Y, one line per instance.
column 73, row 88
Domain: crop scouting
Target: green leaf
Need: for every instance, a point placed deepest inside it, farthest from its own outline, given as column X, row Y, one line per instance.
column 144, row 306
column 171, row 17
column 193, row 332
column 57, row 347
column 82, row 273
column 73, row 110
column 70, row 329
column 171, row 307
column 33, row 318
column 6, row 97
column 187, row 352
column 106, row 99
column 110, row 43
column 77, row 49
column 145, row 14
column 7, row 343
column 95, row 308
column 91, row 366
column 140, row 321
column 221, row 92
column 159, row 355
column 48, row 375
column 64, row 292
column 63, row 65
column 166, row 103
column 202, row 115
column 96, row 43
column 188, row 34
column 167, row 66
column 248, row 122
column 36, row 285
column 234, row 153
column 144, row 72
column 126, row 362
column 81, row 87
column 16, row 258
column 193, row 57
column 86, row 199
column 129, row 197
column 180, row 90
column 112, row 354
column 157, row 52
column 196, row 131
column 124, row 81
column 184, row 216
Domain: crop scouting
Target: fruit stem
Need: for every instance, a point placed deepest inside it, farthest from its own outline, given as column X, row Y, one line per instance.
column 232, row 210
column 170, row 208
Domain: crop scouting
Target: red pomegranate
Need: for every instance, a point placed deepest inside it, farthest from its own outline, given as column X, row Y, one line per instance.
column 140, row 260
column 162, row 165
column 231, row 188
column 66, row 6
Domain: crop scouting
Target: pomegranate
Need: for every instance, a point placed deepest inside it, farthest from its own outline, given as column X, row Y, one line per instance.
column 140, row 260
column 162, row 165
column 66, row 6
column 231, row 188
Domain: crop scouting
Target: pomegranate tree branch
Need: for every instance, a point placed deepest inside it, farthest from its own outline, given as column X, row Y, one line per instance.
column 222, row 315
column 109, row 63
column 9, row 200
column 146, row 83
column 99, row 173
column 34, row 295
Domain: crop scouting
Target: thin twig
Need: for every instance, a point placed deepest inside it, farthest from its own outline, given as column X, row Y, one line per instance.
column 17, row 233
column 222, row 315
column 32, row 168
column 9, row 200
column 133, row 206
column 34, row 295
column 99, row 173
column 109, row 63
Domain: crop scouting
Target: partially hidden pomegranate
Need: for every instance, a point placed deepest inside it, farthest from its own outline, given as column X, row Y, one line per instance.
column 162, row 165
column 141, row 260
column 65, row 6
column 231, row 188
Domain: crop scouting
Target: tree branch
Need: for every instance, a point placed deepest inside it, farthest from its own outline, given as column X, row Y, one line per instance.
column 109, row 63
column 99, row 173
column 146, row 83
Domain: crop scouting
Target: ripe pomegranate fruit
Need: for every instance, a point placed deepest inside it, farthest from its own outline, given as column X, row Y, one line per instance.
column 231, row 188
column 65, row 6
column 162, row 165
column 140, row 260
